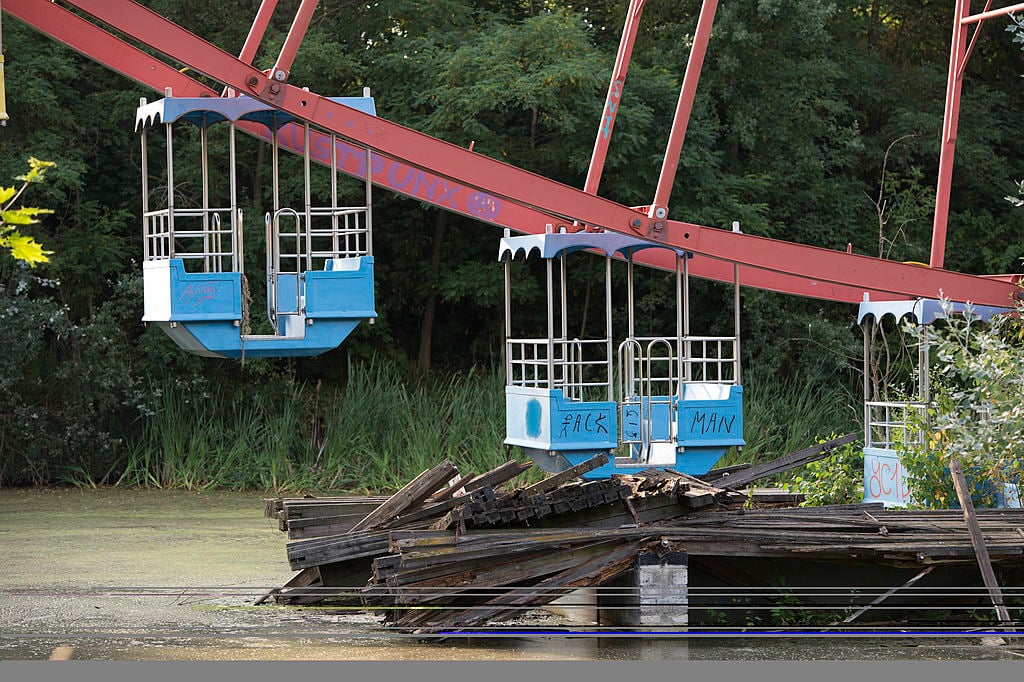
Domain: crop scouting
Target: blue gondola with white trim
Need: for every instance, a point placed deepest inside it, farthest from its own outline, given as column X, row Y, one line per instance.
column 649, row 401
column 319, row 262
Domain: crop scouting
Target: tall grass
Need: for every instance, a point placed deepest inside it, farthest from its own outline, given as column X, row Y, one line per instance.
column 375, row 434
column 385, row 426
column 215, row 439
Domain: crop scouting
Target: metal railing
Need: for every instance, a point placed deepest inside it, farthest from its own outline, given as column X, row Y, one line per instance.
column 200, row 237
column 579, row 367
column 647, row 374
column 346, row 234
column 704, row 359
column 711, row 359
column 889, row 425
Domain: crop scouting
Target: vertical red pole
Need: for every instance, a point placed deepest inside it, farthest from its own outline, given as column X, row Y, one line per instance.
column 659, row 207
column 291, row 44
column 611, row 103
column 258, row 30
column 950, row 119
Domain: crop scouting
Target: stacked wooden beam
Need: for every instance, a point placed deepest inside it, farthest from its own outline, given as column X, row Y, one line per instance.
column 309, row 517
column 435, row 501
column 450, row 552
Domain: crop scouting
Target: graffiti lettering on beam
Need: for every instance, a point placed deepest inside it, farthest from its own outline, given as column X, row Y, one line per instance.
column 394, row 175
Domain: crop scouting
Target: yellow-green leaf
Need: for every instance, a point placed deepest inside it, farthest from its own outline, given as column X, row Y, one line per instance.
column 22, row 216
column 27, row 249
column 36, row 169
column 5, row 194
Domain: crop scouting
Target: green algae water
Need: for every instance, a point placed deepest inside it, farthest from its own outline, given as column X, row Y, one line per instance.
column 128, row 574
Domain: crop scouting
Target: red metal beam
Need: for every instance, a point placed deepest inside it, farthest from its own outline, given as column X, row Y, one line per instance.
column 491, row 178
column 999, row 12
column 257, row 31
column 611, row 103
column 129, row 61
column 950, row 118
column 687, row 93
column 291, row 43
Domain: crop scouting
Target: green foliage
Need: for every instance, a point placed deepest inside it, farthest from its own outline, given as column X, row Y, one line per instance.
column 22, row 247
column 836, row 479
column 375, row 434
column 975, row 415
column 781, row 417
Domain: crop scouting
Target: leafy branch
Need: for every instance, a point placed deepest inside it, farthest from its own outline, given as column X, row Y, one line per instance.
column 23, row 247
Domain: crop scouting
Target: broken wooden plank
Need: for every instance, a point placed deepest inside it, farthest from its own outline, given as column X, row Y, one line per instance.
column 978, row 541
column 552, row 482
column 591, row 572
column 493, row 478
column 785, row 463
column 413, row 493
column 885, row 595
column 441, row 508
column 296, row 590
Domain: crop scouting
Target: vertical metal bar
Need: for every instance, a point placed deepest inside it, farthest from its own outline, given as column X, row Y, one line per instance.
column 950, row 120
column 205, row 171
column 551, row 322
column 308, row 197
column 736, row 314
column 659, row 207
column 611, row 104
column 291, row 44
column 147, row 253
column 3, row 92
column 274, row 229
column 507, row 328
column 368, row 173
column 923, row 361
column 335, row 245
column 679, row 325
column 867, row 382
column 237, row 261
column 170, row 191
column 608, row 323
column 686, row 315
column 629, row 293
column 567, row 350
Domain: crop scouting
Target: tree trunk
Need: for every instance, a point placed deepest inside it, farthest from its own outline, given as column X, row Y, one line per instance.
column 430, row 305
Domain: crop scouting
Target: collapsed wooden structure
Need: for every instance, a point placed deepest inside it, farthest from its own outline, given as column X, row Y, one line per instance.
column 445, row 554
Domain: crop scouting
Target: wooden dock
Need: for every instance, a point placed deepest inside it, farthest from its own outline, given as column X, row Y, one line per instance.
column 447, row 555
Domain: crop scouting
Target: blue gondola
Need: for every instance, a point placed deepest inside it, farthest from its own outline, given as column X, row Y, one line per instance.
column 319, row 262
column 648, row 401
column 896, row 404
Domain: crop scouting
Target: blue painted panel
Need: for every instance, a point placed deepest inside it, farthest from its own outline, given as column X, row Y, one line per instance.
column 712, row 422
column 206, row 309
column 341, row 293
column 885, row 479
column 204, row 295
column 542, row 418
column 288, row 294
column 693, row 461
column 223, row 339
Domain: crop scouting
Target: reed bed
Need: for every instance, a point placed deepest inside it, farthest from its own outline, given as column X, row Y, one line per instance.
column 385, row 425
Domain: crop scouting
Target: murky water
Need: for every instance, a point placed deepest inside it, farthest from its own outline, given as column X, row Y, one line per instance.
column 168, row 575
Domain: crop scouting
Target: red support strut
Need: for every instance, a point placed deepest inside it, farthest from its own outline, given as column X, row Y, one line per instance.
column 611, row 104
column 659, row 207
